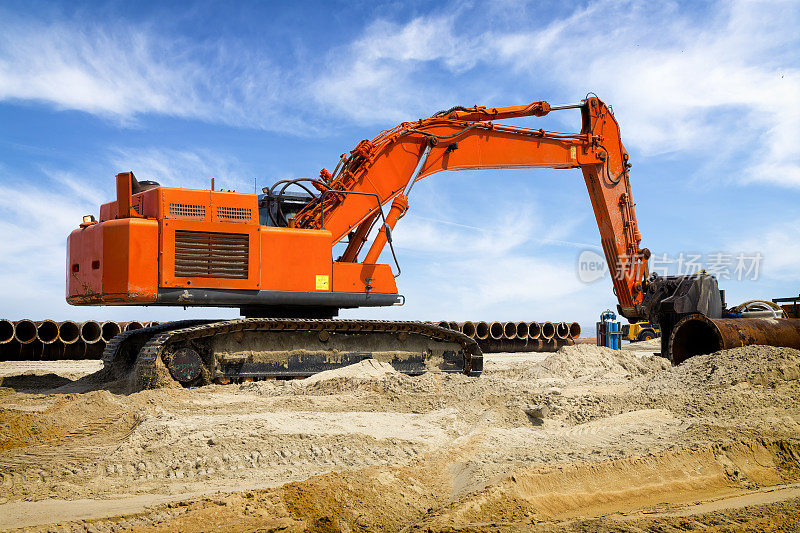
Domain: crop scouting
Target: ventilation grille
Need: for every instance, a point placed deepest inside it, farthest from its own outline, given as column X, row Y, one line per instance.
column 190, row 211
column 211, row 255
column 234, row 214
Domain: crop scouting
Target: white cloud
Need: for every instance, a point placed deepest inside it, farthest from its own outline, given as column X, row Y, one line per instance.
column 121, row 72
column 779, row 245
column 723, row 83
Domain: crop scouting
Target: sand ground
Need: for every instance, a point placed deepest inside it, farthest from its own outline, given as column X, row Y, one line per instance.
column 584, row 439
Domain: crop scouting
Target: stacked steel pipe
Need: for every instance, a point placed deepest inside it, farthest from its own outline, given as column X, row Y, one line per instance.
column 517, row 336
column 49, row 340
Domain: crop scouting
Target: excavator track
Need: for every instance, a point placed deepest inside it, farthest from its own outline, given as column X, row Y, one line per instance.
column 196, row 353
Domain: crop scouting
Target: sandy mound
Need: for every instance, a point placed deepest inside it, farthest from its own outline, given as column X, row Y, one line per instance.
column 757, row 365
column 595, row 364
column 366, row 369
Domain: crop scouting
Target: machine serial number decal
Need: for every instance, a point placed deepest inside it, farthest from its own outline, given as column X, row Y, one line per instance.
column 322, row 282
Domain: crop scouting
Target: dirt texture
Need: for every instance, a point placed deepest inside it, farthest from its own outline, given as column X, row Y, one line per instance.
column 621, row 441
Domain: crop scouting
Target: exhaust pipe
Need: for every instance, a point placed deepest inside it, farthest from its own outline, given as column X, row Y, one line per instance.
column 521, row 330
column 548, row 331
column 510, row 330
column 25, row 331
column 574, row 330
column 496, row 330
column 482, row 330
column 133, row 324
column 69, row 332
column 468, row 329
column 91, row 332
column 534, row 330
column 698, row 335
column 109, row 329
column 47, row 331
column 6, row 331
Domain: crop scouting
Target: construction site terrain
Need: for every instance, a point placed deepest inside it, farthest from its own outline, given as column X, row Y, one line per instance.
column 581, row 439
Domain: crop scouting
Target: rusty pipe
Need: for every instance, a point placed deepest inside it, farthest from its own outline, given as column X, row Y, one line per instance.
column 468, row 329
column 522, row 330
column 46, row 331
column 482, row 330
column 562, row 330
column 91, row 332
column 574, row 330
column 534, row 330
column 443, row 324
column 454, row 326
column 697, row 334
column 25, row 331
column 496, row 330
column 510, row 330
column 69, row 332
column 152, row 323
column 548, row 330
column 133, row 324
column 6, row 331
column 109, row 329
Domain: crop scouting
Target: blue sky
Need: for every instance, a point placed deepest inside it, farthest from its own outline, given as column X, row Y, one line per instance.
column 707, row 95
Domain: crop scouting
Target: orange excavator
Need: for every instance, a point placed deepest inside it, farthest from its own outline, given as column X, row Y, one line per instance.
column 271, row 255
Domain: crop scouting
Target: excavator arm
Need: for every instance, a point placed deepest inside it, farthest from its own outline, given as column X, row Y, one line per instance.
column 384, row 170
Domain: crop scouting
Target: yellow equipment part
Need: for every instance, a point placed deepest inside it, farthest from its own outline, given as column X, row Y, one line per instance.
column 640, row 331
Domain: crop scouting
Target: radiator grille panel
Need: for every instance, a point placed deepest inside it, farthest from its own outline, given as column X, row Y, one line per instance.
column 233, row 214
column 211, row 255
column 190, row 211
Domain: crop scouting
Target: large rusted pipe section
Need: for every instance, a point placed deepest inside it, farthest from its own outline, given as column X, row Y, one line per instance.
column 698, row 335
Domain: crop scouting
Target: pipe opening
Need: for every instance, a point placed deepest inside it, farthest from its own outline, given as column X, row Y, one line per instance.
column 482, row 330
column 69, row 332
column 133, row 324
column 522, row 330
column 509, row 330
column 574, row 330
column 453, row 326
column 562, row 330
column 444, row 324
column 91, row 331
column 496, row 330
column 110, row 330
column 47, row 331
column 534, row 330
column 6, row 331
column 693, row 337
column 548, row 330
column 468, row 329
column 25, row 331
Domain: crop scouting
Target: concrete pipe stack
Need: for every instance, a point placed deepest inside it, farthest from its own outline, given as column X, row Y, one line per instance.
column 26, row 339
column 495, row 337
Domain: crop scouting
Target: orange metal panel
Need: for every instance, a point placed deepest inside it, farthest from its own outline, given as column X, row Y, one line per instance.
column 295, row 259
column 354, row 277
column 113, row 262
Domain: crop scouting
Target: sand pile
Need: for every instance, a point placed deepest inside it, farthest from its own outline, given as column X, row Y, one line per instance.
column 585, row 363
column 756, row 365
column 366, row 369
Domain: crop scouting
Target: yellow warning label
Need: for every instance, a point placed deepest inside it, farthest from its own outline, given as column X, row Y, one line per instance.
column 573, row 152
column 322, row 282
